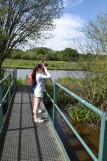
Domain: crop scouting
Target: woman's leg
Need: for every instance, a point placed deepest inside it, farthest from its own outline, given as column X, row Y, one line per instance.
column 36, row 105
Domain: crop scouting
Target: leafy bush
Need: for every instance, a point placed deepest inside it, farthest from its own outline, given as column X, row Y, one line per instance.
column 40, row 57
column 77, row 111
column 16, row 54
column 80, row 113
column 20, row 81
column 32, row 56
column 25, row 57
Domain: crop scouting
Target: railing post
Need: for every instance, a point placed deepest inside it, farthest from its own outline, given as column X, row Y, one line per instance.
column 103, row 139
column 1, row 107
column 9, row 86
column 54, row 102
column 15, row 76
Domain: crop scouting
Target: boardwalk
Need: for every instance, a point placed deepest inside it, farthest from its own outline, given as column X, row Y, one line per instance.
column 25, row 140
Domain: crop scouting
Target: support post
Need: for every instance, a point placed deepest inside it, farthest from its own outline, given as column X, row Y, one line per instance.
column 54, row 102
column 103, row 139
column 9, row 86
column 1, row 106
column 15, row 77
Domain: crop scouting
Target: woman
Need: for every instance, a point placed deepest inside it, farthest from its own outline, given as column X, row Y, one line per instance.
column 39, row 76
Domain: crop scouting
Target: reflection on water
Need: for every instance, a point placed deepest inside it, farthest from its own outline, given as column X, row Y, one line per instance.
column 22, row 73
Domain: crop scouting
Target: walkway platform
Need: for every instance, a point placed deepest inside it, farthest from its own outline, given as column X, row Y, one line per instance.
column 24, row 140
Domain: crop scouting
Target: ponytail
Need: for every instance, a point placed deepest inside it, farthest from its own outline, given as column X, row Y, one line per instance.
column 35, row 69
column 34, row 73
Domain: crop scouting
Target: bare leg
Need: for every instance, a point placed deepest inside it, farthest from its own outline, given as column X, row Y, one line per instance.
column 35, row 98
column 37, row 101
column 34, row 104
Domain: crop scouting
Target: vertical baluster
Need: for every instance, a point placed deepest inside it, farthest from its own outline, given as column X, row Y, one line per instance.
column 55, row 102
column 9, row 86
column 1, row 107
column 15, row 76
column 14, row 82
column 103, row 139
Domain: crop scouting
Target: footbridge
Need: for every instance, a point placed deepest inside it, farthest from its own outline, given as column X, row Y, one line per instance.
column 21, row 139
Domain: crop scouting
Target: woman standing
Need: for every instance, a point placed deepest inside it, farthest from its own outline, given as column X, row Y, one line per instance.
column 39, row 76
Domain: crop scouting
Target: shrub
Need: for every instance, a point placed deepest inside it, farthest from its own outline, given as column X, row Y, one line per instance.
column 15, row 56
column 82, row 114
column 20, row 81
column 25, row 57
column 32, row 56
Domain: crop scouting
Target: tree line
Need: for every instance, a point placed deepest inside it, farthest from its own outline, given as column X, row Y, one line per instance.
column 43, row 53
column 46, row 54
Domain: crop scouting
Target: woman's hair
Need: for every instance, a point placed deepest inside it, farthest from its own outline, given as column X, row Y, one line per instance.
column 35, row 69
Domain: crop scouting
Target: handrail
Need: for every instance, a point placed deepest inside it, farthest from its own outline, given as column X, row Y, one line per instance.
column 102, row 156
column 10, row 79
column 89, row 105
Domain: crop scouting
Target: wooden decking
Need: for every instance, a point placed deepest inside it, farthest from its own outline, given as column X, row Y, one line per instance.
column 24, row 140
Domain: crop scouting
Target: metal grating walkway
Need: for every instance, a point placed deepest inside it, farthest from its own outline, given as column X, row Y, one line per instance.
column 25, row 140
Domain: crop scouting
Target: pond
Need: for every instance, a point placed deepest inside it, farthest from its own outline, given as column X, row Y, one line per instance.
column 22, row 73
column 74, row 148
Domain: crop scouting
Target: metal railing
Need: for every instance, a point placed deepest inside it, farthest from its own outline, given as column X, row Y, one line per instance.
column 102, row 154
column 7, row 90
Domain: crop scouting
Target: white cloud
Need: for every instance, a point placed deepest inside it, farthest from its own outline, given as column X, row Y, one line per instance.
column 67, row 26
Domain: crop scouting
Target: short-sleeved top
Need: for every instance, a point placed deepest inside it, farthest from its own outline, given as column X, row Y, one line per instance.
column 40, row 81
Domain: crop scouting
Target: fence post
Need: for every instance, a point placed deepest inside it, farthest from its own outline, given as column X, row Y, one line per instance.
column 9, row 86
column 103, row 139
column 15, row 76
column 55, row 102
column 1, row 106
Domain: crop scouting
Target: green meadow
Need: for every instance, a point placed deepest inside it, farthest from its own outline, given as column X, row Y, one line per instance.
column 52, row 65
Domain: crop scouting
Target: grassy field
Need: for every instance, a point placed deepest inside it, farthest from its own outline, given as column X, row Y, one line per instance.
column 29, row 64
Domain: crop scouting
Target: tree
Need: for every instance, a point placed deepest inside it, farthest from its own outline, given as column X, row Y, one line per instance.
column 21, row 20
column 94, row 89
column 96, row 34
column 16, row 54
column 70, row 54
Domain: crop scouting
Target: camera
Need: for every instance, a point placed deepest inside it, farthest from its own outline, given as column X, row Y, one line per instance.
column 44, row 64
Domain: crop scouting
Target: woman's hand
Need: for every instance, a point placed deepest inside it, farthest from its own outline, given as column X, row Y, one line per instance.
column 45, row 69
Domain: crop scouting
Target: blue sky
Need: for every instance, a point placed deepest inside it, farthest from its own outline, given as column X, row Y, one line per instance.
column 76, row 14
column 85, row 8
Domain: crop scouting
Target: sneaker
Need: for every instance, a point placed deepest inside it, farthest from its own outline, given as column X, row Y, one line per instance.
column 39, row 111
column 38, row 120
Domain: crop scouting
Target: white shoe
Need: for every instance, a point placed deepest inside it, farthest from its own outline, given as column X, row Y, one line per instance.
column 39, row 111
column 38, row 120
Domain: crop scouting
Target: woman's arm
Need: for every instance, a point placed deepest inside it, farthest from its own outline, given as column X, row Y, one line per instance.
column 46, row 76
column 46, row 72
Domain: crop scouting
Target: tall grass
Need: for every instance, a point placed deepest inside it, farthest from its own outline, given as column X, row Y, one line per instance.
column 29, row 64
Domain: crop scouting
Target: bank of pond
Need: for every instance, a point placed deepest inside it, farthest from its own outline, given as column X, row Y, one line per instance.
column 52, row 65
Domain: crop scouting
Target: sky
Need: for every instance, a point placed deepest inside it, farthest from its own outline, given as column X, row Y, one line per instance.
column 76, row 14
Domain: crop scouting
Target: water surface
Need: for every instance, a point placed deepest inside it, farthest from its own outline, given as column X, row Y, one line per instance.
column 22, row 73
